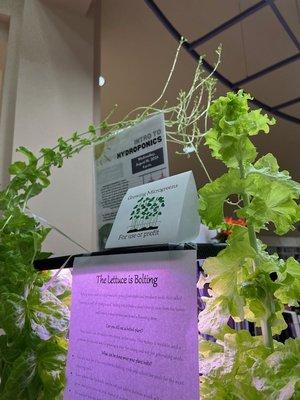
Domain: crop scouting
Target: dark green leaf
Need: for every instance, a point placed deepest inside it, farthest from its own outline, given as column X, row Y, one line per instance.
column 17, row 167
column 22, row 373
column 31, row 157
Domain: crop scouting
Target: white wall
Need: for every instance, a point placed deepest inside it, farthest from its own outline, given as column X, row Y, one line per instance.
column 55, row 98
column 11, row 13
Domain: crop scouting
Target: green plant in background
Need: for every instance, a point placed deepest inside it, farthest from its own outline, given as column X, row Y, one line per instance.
column 33, row 314
column 239, row 366
column 33, row 318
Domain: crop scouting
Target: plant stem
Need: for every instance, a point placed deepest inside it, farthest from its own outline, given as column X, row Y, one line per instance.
column 265, row 323
column 203, row 166
column 246, row 201
column 267, row 333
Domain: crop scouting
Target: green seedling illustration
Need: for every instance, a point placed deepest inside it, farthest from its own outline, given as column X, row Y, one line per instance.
column 146, row 212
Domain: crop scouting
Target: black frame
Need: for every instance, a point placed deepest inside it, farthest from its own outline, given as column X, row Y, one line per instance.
column 190, row 48
column 203, row 251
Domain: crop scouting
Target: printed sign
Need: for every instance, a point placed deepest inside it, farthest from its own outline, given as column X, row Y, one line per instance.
column 133, row 332
column 136, row 156
column 158, row 212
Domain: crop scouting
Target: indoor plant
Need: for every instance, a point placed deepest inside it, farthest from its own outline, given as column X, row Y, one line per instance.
column 246, row 282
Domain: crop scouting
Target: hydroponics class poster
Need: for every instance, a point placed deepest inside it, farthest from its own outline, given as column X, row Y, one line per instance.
column 137, row 155
column 133, row 332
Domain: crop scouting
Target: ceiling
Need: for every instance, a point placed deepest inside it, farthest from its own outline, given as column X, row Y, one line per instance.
column 76, row 6
column 267, row 36
column 137, row 51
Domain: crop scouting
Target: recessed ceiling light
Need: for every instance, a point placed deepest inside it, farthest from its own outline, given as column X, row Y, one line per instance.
column 101, row 81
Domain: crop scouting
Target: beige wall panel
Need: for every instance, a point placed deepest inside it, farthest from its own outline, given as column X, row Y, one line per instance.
column 55, row 98
column 11, row 13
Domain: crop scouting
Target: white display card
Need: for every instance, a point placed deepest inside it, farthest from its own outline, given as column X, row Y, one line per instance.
column 164, row 211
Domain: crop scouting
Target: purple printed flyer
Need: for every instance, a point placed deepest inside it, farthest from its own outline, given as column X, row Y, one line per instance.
column 133, row 333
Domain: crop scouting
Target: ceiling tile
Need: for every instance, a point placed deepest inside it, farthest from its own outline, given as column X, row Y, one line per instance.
column 278, row 86
column 266, row 42
column 194, row 18
column 293, row 110
column 290, row 10
column 283, row 142
column 233, row 64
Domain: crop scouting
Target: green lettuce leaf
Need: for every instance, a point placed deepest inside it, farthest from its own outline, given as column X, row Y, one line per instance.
column 242, row 367
column 22, row 374
column 51, row 363
column 12, row 314
column 226, row 367
column 225, row 148
column 272, row 202
column 278, row 375
column 47, row 314
column 42, row 310
column 226, row 273
column 289, row 282
column 274, row 196
column 214, row 318
column 267, row 167
column 213, row 195
column 232, row 124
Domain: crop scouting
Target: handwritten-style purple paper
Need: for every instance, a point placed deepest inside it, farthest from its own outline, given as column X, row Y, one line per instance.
column 133, row 333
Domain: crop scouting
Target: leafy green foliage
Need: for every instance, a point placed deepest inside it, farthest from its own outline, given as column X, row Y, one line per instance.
column 213, row 196
column 239, row 366
column 273, row 196
column 233, row 123
column 34, row 319
column 242, row 367
column 289, row 283
column 230, row 270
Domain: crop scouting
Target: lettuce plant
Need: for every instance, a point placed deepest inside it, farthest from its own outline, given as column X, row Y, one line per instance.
column 246, row 282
